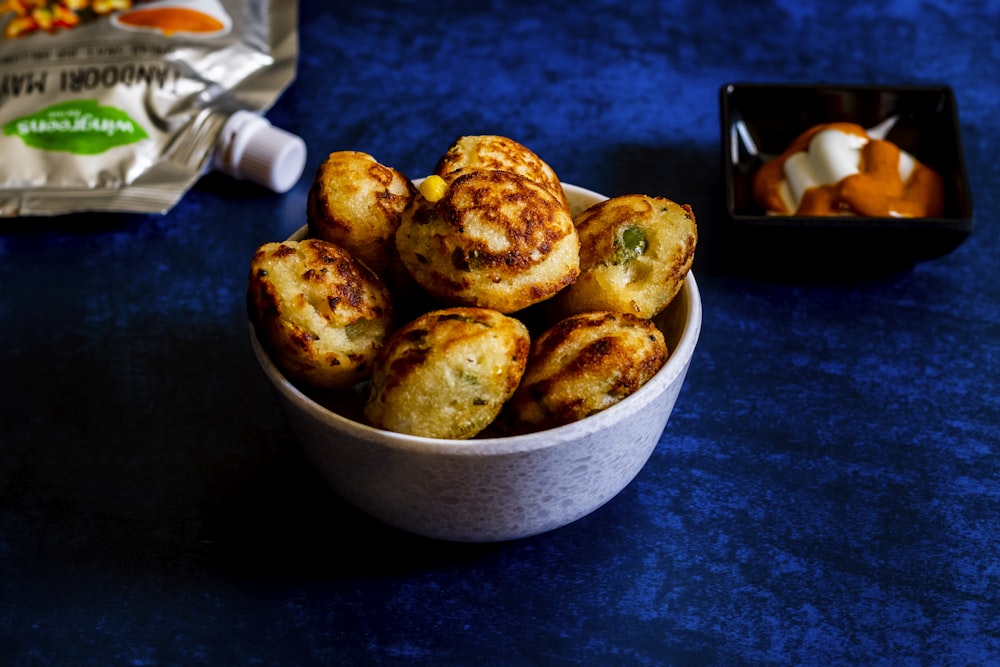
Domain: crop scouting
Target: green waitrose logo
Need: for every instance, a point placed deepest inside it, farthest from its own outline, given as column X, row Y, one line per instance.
column 79, row 126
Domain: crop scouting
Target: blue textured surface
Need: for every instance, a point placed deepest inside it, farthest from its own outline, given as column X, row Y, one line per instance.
column 827, row 491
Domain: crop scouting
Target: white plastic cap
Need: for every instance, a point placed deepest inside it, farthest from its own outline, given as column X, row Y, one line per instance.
column 251, row 149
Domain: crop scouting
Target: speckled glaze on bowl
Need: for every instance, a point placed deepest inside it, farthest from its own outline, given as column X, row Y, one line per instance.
column 494, row 489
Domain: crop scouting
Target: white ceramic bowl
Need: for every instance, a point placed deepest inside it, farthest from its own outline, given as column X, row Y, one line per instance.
column 493, row 489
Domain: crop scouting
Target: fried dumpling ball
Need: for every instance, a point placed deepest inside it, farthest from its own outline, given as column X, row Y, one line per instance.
column 448, row 373
column 493, row 239
column 582, row 365
column 357, row 202
column 490, row 151
column 635, row 251
column 322, row 314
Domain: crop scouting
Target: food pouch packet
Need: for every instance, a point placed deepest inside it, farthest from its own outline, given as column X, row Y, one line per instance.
column 121, row 105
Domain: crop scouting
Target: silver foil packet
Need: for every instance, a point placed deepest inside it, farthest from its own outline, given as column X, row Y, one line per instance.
column 121, row 105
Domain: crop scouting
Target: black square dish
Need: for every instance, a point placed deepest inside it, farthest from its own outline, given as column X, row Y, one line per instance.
column 759, row 121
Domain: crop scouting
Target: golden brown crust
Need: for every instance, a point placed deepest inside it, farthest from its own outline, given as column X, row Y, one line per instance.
column 635, row 251
column 448, row 373
column 495, row 240
column 357, row 203
column 490, row 151
column 495, row 237
column 321, row 314
column 582, row 365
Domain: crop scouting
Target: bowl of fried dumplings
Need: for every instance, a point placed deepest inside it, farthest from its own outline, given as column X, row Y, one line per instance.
column 511, row 362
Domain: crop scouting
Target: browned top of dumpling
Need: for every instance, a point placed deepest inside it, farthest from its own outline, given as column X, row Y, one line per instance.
column 635, row 251
column 490, row 151
column 584, row 364
column 322, row 314
column 447, row 373
column 494, row 240
column 357, row 202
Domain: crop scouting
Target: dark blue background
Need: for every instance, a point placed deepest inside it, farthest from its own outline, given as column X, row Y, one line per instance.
column 827, row 490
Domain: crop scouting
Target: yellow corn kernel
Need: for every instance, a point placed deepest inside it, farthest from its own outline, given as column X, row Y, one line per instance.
column 108, row 6
column 43, row 18
column 433, row 188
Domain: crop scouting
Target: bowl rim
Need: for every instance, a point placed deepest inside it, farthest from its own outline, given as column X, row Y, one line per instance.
column 675, row 367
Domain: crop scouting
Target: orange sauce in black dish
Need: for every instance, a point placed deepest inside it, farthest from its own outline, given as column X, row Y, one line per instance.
column 877, row 190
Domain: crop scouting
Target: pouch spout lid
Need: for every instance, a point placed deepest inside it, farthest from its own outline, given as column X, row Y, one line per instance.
column 251, row 148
